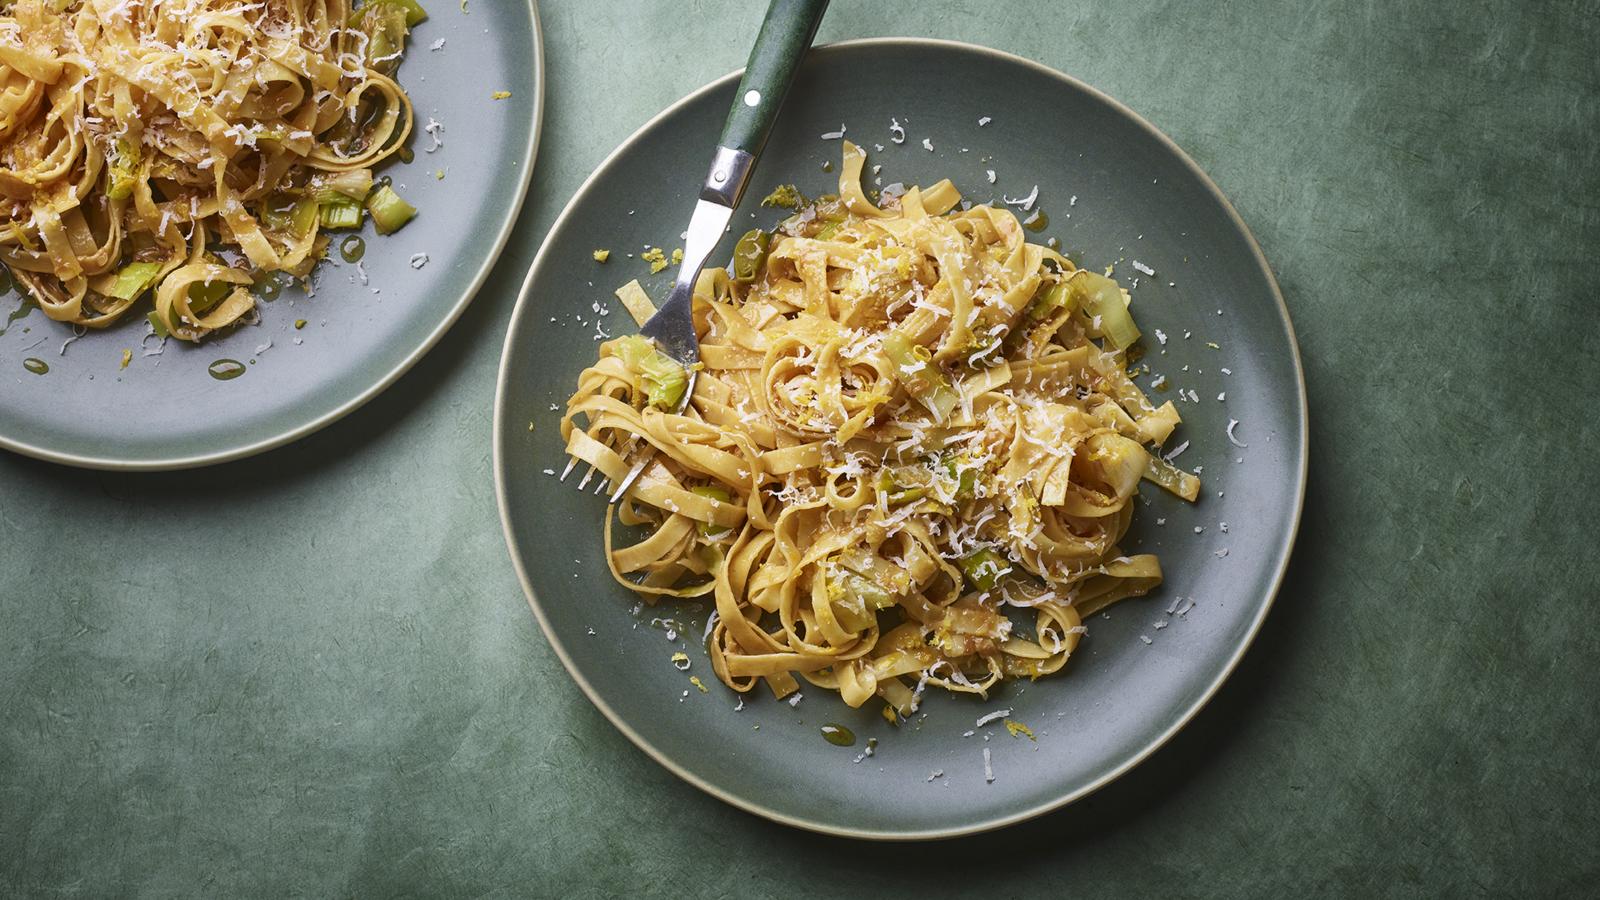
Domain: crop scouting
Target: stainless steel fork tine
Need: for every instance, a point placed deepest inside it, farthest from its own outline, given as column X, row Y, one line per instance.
column 629, row 479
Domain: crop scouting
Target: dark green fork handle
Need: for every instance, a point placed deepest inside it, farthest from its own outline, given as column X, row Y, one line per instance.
column 785, row 36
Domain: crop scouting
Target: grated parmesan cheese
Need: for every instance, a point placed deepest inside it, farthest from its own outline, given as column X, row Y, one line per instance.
column 1232, row 424
column 990, row 717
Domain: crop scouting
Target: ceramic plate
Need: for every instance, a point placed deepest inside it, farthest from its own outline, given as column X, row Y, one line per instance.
column 1114, row 190
column 363, row 328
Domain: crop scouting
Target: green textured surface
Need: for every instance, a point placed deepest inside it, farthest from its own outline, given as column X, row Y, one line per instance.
column 314, row 672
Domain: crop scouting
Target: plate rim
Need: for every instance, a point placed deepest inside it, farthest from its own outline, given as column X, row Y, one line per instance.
column 112, row 463
column 1285, row 549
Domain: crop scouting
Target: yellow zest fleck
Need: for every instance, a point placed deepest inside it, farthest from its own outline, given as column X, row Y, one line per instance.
column 601, row 256
column 127, row 357
column 1110, row 269
column 500, row 95
column 439, row 174
column 299, row 323
column 1017, row 728
column 1212, row 345
column 695, row 680
column 677, row 256
column 656, row 259
column 681, row 660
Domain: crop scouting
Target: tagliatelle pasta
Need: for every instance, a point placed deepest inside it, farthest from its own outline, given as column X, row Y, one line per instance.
column 134, row 132
column 909, row 458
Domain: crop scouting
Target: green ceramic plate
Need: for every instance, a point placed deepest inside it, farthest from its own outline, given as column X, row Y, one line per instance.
column 1115, row 190
column 362, row 331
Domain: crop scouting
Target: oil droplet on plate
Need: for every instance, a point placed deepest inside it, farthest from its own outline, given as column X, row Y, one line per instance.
column 1036, row 222
column 352, row 248
column 36, row 365
column 17, row 314
column 838, row 735
column 226, row 369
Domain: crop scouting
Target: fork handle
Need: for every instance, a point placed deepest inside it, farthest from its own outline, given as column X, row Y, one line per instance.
column 785, row 36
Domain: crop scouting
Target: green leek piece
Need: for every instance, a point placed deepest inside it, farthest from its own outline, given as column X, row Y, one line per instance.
column 1171, row 477
column 1121, row 461
column 785, row 195
column 415, row 14
column 966, row 479
column 1101, row 298
column 120, row 176
column 389, row 212
column 203, row 295
column 341, row 213
column 664, row 379
column 829, row 229
column 303, row 217
column 133, row 280
column 276, row 213
column 914, row 368
column 386, row 27
column 750, row 255
column 386, row 24
column 896, row 493
column 720, row 494
column 285, row 214
column 906, row 495
column 158, row 324
column 983, row 568
column 1049, row 300
column 856, row 597
column 352, row 185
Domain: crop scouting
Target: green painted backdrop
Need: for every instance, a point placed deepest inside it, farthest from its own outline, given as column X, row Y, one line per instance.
column 313, row 672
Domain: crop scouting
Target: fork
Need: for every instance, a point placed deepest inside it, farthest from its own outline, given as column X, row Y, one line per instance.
column 785, row 35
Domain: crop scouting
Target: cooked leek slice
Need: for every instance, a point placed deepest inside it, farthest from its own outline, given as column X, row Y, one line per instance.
column 335, row 186
column 1100, row 298
column 133, row 279
column 914, row 368
column 341, row 213
column 720, row 494
column 663, row 378
column 122, row 173
column 389, row 212
column 983, row 568
column 750, row 255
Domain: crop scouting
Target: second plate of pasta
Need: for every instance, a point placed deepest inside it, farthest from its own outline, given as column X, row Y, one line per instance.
column 224, row 226
column 989, row 475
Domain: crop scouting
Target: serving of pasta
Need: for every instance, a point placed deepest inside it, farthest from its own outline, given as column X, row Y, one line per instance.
column 187, row 148
column 910, row 454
